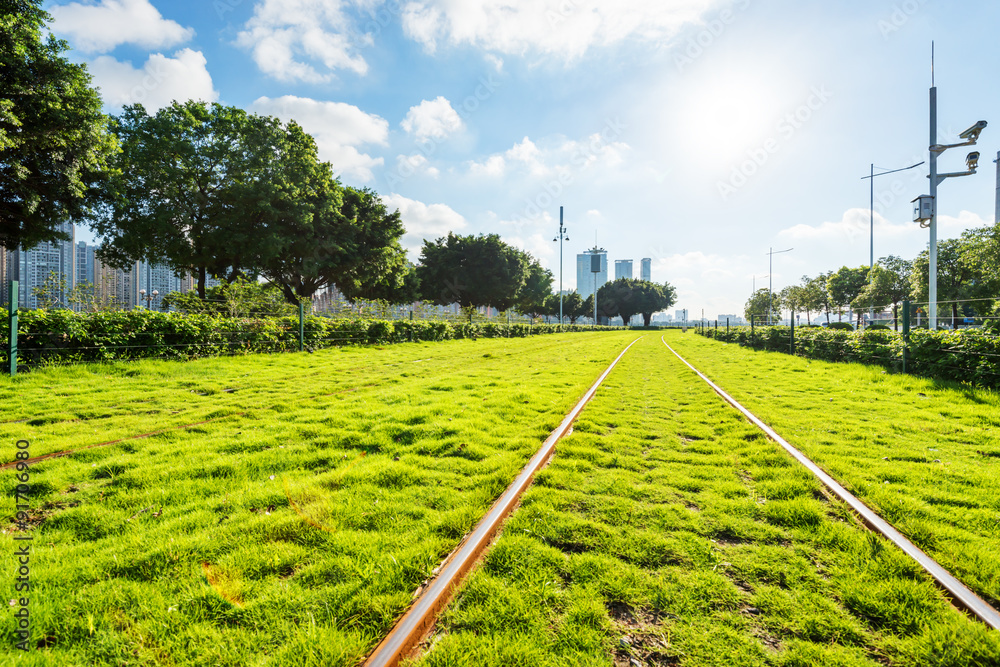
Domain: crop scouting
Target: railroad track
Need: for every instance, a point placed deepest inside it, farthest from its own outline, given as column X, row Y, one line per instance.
column 419, row 620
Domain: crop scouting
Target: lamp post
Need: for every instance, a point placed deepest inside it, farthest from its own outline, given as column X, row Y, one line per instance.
column 148, row 299
column 935, row 149
column 771, row 252
column 871, row 222
column 562, row 237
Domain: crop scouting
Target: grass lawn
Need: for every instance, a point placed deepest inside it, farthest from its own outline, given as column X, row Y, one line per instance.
column 292, row 529
column 667, row 530
column 924, row 455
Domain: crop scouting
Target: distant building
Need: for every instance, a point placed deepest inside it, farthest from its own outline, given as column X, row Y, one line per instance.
column 32, row 268
column 584, row 277
column 646, row 269
column 85, row 264
column 681, row 315
column 623, row 268
column 734, row 320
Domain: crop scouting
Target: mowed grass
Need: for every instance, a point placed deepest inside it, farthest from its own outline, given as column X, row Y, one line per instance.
column 924, row 455
column 668, row 531
column 295, row 527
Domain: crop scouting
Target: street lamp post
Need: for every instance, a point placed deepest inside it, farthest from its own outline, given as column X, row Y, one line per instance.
column 562, row 237
column 148, row 299
column 771, row 252
column 871, row 222
column 935, row 149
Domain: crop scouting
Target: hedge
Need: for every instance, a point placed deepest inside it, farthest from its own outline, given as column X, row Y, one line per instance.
column 62, row 336
column 967, row 355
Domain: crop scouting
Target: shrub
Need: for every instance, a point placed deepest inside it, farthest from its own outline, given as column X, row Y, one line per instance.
column 846, row 326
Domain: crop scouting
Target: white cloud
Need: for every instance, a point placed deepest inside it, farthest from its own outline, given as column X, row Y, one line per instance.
column 854, row 228
column 554, row 156
column 339, row 129
column 161, row 80
column 538, row 245
column 423, row 221
column 304, row 40
column 407, row 165
column 566, row 28
column 494, row 166
column 100, row 28
column 432, row 119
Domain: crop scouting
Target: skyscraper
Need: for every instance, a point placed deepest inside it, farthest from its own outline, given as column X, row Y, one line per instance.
column 646, row 269
column 623, row 268
column 585, row 277
column 32, row 268
column 84, row 264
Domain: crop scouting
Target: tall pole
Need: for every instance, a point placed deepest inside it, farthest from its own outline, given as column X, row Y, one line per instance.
column 996, row 213
column 871, row 239
column 932, row 251
column 560, row 265
column 770, row 294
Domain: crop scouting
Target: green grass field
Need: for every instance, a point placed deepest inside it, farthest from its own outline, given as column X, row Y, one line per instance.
column 667, row 530
column 286, row 508
column 924, row 455
column 294, row 528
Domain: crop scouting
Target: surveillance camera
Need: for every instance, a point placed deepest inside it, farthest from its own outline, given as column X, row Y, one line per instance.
column 972, row 134
column 972, row 160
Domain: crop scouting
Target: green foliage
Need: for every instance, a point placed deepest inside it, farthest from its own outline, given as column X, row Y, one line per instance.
column 762, row 302
column 61, row 336
column 239, row 298
column 533, row 296
column 52, row 292
column 472, row 271
column 843, row 326
column 626, row 297
column 54, row 143
column 845, row 285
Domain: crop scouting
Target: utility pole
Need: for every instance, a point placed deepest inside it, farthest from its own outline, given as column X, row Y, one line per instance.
column 562, row 237
column 996, row 213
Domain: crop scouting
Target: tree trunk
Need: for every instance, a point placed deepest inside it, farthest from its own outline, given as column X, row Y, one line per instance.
column 201, row 282
column 895, row 316
column 954, row 316
column 646, row 319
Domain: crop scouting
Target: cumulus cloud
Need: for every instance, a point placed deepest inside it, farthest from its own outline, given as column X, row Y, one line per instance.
column 160, row 81
column 423, row 221
column 408, row 165
column 339, row 129
column 304, row 40
column 854, row 228
column 434, row 119
column 550, row 27
column 100, row 28
column 553, row 156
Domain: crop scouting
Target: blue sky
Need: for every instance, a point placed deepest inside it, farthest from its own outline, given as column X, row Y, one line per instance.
column 695, row 132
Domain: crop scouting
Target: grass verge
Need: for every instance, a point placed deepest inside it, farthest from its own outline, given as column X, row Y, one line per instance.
column 923, row 454
column 294, row 530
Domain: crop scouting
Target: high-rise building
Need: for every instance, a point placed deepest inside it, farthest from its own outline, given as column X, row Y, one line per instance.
column 584, row 275
column 623, row 268
column 33, row 268
column 84, row 264
column 159, row 278
column 646, row 269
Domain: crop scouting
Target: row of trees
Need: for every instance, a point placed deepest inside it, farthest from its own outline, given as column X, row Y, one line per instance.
column 968, row 279
column 212, row 190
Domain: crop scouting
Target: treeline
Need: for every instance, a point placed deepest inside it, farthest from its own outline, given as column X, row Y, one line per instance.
column 968, row 283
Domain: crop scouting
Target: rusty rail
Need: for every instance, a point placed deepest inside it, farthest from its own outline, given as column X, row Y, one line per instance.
column 959, row 593
column 420, row 618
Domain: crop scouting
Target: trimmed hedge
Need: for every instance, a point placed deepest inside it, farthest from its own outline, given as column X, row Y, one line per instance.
column 61, row 336
column 966, row 355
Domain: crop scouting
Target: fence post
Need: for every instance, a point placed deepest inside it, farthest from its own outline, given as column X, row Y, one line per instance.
column 727, row 326
column 791, row 342
column 302, row 328
column 751, row 332
column 13, row 287
column 906, row 334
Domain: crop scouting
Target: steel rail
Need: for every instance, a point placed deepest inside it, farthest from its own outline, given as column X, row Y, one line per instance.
column 959, row 593
column 422, row 615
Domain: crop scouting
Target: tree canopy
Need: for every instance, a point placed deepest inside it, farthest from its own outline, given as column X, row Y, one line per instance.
column 472, row 271
column 54, row 142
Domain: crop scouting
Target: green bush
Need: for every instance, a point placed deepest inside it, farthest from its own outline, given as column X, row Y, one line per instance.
column 966, row 355
column 63, row 336
column 846, row 326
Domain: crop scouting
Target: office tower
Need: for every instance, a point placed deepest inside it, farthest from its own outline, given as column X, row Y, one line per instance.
column 584, row 275
column 646, row 269
column 623, row 268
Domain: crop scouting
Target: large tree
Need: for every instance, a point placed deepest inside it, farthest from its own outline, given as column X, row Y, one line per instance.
column 653, row 298
column 54, row 143
column 471, row 271
column 763, row 304
column 845, row 284
column 956, row 280
column 572, row 306
column 888, row 284
column 533, row 295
